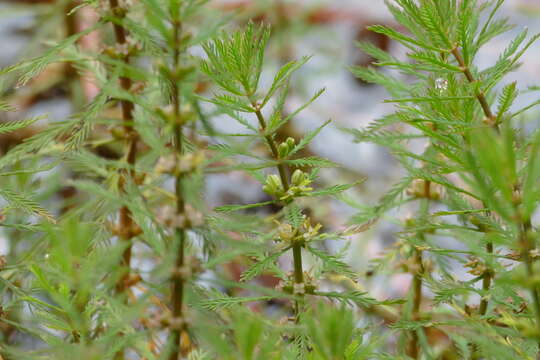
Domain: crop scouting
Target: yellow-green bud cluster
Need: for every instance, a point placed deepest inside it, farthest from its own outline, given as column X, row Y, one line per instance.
column 301, row 235
column 299, row 186
column 273, row 186
column 285, row 148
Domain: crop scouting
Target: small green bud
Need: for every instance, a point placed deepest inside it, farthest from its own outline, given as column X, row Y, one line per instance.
column 275, row 181
column 273, row 185
column 298, row 177
column 286, row 147
column 286, row 233
column 283, row 150
column 290, row 143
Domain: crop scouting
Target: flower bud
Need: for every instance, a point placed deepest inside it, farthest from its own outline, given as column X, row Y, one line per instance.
column 283, row 150
column 298, row 177
column 286, row 232
column 290, row 143
column 273, row 185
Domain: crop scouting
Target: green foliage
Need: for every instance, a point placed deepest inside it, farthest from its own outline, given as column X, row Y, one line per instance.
column 113, row 249
column 473, row 165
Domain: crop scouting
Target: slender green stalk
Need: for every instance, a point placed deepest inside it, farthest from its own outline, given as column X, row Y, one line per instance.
column 413, row 350
column 178, row 282
column 524, row 240
column 490, row 116
column 487, row 277
column 486, row 283
column 283, row 174
column 527, row 245
column 491, row 119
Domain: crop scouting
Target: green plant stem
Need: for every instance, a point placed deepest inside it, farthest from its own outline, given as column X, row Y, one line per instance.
column 283, row 171
column 71, row 29
column 526, row 247
column 525, row 242
column 480, row 96
column 298, row 270
column 178, row 282
column 486, row 284
column 487, row 278
column 273, row 147
column 413, row 349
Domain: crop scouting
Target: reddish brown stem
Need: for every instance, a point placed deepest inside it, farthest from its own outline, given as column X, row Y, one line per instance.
column 492, row 120
column 126, row 228
column 126, row 225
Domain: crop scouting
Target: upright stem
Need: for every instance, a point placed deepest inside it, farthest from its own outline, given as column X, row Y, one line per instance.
column 283, row 174
column 526, row 247
column 480, row 96
column 126, row 228
column 178, row 279
column 70, row 22
column 126, row 225
column 273, row 147
column 525, row 227
column 492, row 120
column 486, row 283
column 413, row 349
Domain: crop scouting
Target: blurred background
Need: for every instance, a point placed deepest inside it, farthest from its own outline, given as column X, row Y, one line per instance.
column 327, row 30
